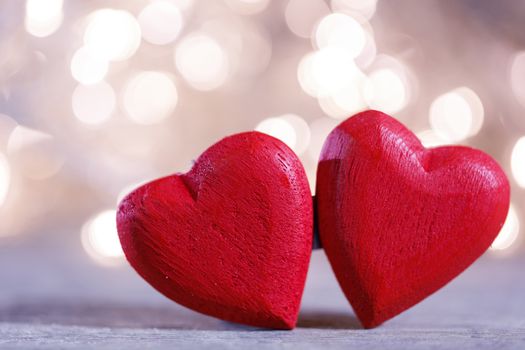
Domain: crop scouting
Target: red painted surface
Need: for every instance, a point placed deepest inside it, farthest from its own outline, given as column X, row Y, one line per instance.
column 231, row 238
column 398, row 221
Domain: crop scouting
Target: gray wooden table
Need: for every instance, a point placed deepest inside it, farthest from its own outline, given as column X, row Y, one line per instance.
column 56, row 299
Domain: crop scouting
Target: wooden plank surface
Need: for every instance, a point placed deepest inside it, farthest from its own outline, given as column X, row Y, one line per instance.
column 63, row 301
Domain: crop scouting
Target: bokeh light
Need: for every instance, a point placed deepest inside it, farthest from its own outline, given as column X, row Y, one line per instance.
column 86, row 68
column 517, row 161
column 350, row 99
column 202, row 61
column 278, row 128
column 34, row 153
column 93, row 104
column 251, row 49
column 289, row 128
column 128, row 189
column 150, row 97
column 517, row 76
column 302, row 16
column 330, row 108
column 319, row 128
column 305, row 76
column 302, row 132
column 184, row 5
column 161, row 22
column 247, row 7
column 43, row 18
column 5, row 178
column 366, row 8
column 369, row 52
column 150, row 84
column 457, row 114
column 341, row 31
column 430, row 139
column 327, row 71
column 509, row 232
column 112, row 35
column 100, row 238
column 385, row 90
column 7, row 125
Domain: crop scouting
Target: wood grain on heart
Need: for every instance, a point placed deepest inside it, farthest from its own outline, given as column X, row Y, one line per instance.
column 398, row 221
column 232, row 237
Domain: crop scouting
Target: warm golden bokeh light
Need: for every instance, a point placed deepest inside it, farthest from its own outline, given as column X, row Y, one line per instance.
column 161, row 22
column 128, row 189
column 302, row 132
column 93, row 104
column 457, row 114
column 350, row 99
column 289, row 128
column 247, row 7
column 332, row 70
column 150, row 97
column 250, row 51
column 330, row 108
column 5, row 178
column 319, row 128
column 112, row 35
column 280, row 129
column 149, row 84
column 517, row 161
column 328, row 71
column 429, row 139
column 366, row 8
column 341, row 31
column 202, row 61
column 517, row 75
column 369, row 52
column 7, row 125
column 100, row 238
column 386, row 90
column 509, row 232
column 302, row 16
column 43, row 17
column 86, row 68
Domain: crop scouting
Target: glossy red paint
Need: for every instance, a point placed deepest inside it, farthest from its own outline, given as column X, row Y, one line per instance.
column 231, row 238
column 398, row 221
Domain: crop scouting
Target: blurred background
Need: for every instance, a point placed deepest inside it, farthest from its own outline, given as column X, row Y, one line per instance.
column 97, row 97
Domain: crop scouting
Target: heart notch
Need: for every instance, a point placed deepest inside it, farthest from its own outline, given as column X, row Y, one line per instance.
column 231, row 238
column 398, row 221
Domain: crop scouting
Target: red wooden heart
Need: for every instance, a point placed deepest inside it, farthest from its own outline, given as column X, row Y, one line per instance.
column 398, row 221
column 231, row 238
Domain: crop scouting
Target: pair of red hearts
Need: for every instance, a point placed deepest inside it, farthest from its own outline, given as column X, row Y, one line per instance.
column 232, row 238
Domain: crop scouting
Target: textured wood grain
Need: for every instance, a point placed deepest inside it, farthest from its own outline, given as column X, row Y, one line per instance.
column 54, row 297
column 91, row 307
column 59, row 337
column 398, row 221
column 231, row 238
